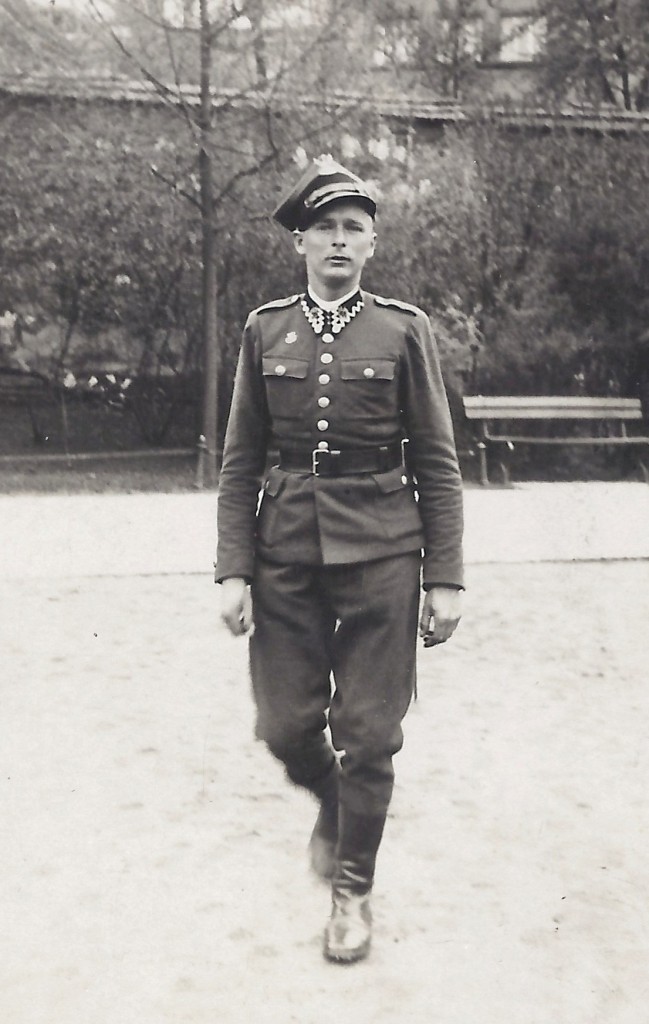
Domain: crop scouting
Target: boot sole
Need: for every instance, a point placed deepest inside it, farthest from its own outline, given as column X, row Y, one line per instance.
column 350, row 956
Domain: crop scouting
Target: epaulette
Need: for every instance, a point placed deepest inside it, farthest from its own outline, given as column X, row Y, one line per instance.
column 290, row 300
column 405, row 307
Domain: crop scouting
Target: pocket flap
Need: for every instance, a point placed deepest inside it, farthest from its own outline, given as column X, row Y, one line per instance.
column 285, row 366
column 393, row 480
column 370, row 368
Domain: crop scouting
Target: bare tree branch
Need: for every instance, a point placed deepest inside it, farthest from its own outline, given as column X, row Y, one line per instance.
column 174, row 186
column 169, row 96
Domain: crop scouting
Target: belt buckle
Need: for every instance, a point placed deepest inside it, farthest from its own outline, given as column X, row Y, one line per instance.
column 315, row 458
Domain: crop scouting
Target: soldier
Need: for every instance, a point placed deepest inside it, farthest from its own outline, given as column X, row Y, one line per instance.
column 363, row 506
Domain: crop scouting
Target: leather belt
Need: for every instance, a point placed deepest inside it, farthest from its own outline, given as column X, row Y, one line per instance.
column 346, row 462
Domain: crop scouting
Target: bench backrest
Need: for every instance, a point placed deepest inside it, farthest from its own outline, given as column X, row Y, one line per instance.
column 21, row 383
column 547, row 407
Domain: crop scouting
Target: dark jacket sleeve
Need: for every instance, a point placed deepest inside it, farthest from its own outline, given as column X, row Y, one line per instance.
column 432, row 457
column 244, row 459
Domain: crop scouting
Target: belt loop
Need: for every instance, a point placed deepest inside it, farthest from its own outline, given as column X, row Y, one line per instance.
column 384, row 460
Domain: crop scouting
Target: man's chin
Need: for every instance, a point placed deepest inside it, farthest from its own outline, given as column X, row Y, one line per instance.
column 338, row 275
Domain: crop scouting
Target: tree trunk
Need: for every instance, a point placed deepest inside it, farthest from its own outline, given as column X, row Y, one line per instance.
column 207, row 468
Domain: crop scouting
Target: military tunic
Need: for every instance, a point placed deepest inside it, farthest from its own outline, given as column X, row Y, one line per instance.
column 335, row 562
column 374, row 383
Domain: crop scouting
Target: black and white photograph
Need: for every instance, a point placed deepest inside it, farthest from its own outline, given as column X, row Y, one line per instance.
column 324, row 490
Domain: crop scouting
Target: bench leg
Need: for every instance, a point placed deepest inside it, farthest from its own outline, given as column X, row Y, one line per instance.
column 484, row 471
column 37, row 434
column 504, row 469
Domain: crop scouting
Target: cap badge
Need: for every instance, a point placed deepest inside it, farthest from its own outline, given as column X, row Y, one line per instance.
column 291, row 338
column 326, row 164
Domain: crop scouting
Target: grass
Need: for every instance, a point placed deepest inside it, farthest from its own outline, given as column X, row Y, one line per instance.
column 156, row 473
column 112, row 456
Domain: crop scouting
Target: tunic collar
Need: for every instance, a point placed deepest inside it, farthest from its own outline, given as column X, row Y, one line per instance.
column 328, row 305
column 335, row 316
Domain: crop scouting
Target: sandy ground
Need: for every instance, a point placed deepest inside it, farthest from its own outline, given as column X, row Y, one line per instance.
column 127, row 534
column 153, row 858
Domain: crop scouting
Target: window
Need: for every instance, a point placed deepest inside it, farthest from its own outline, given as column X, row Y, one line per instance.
column 522, row 38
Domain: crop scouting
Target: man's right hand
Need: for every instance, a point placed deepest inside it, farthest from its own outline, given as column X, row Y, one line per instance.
column 236, row 605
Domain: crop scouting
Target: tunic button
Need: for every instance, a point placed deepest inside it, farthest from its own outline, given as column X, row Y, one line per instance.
column 323, row 424
column 324, row 378
column 327, row 338
column 280, row 370
column 404, row 479
column 323, row 402
column 326, row 357
column 323, row 446
column 368, row 371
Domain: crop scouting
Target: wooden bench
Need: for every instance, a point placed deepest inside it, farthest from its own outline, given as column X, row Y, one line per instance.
column 24, row 388
column 605, row 418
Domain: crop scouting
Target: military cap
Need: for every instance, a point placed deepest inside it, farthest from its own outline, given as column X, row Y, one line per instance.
column 323, row 182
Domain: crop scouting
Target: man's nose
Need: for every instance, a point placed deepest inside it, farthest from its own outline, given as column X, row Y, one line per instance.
column 340, row 237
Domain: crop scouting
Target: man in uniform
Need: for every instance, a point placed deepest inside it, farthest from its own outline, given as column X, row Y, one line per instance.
column 363, row 507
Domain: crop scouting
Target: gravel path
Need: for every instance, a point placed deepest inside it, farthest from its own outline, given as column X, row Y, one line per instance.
column 153, row 857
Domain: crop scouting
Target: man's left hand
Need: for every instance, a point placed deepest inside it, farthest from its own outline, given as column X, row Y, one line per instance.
column 440, row 614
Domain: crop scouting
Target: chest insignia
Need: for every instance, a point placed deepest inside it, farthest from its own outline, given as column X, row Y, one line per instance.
column 336, row 319
column 291, row 338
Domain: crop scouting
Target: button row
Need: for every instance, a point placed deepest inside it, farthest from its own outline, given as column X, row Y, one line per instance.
column 324, row 378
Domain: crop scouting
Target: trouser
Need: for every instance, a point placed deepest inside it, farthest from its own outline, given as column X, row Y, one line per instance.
column 356, row 624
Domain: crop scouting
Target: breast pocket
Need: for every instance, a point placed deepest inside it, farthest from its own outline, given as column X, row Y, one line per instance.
column 369, row 386
column 285, row 379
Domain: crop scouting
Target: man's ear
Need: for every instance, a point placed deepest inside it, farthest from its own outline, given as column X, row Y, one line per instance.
column 373, row 249
column 298, row 242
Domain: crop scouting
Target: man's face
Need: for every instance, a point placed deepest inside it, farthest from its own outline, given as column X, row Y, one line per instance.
column 336, row 247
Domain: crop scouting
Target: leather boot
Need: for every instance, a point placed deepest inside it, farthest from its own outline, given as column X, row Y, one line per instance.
column 322, row 845
column 349, row 931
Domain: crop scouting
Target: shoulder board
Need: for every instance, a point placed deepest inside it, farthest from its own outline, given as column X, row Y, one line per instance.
column 278, row 304
column 405, row 307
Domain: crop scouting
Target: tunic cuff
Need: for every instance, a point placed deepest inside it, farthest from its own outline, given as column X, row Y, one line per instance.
column 449, row 586
column 443, row 574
